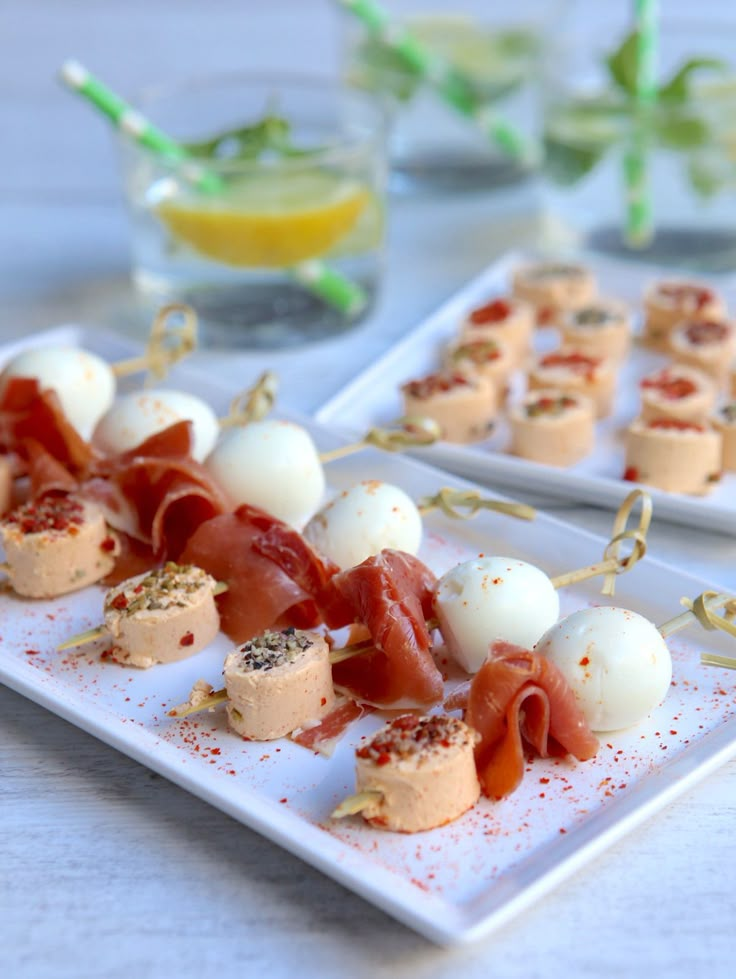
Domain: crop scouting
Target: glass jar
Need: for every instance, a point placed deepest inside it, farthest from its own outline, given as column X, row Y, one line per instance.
column 272, row 225
column 459, row 80
column 655, row 180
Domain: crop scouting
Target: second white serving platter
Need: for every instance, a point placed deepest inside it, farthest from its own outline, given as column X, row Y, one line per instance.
column 451, row 884
column 373, row 399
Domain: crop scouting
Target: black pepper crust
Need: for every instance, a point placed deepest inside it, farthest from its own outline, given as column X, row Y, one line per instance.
column 273, row 649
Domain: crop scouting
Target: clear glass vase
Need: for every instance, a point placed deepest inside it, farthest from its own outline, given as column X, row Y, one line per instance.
column 443, row 138
column 654, row 180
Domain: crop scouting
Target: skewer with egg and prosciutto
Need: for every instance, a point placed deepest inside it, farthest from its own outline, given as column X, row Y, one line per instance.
column 140, row 415
column 617, row 662
column 600, row 669
column 372, row 516
column 495, row 598
column 519, row 696
column 83, row 384
column 389, row 596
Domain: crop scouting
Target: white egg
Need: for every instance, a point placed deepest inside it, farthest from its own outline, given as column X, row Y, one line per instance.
column 84, row 383
column 615, row 661
column 270, row 464
column 363, row 520
column 493, row 598
column 136, row 416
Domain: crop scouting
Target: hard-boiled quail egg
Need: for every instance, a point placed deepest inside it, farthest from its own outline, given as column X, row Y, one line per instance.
column 615, row 661
column 136, row 416
column 493, row 598
column 363, row 520
column 83, row 382
column 270, row 464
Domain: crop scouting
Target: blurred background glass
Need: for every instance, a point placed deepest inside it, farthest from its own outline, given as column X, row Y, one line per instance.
column 493, row 51
column 684, row 144
column 273, row 230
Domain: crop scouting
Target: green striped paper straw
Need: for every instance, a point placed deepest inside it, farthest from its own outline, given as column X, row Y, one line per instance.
column 449, row 84
column 334, row 289
column 639, row 212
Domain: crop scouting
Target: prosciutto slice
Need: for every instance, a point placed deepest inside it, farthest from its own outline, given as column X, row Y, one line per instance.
column 47, row 474
column 391, row 594
column 260, row 595
column 323, row 737
column 517, row 696
column 156, row 492
column 28, row 412
column 293, row 554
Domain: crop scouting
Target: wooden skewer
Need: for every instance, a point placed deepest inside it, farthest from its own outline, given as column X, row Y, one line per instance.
column 452, row 502
column 613, row 563
column 167, row 343
column 407, row 432
column 96, row 632
column 254, row 403
column 335, row 656
column 701, row 610
column 213, row 699
column 356, row 803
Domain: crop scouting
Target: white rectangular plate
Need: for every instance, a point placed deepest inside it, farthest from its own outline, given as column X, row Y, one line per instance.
column 373, row 398
column 451, row 884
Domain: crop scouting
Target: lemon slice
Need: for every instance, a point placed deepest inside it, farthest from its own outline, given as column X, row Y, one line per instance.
column 483, row 55
column 269, row 220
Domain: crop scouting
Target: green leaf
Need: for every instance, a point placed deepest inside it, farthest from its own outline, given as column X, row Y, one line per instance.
column 705, row 181
column 566, row 163
column 623, row 63
column 272, row 134
column 677, row 89
column 378, row 68
column 245, row 142
column 681, row 130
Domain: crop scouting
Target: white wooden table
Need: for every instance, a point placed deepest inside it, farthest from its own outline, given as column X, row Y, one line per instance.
column 106, row 870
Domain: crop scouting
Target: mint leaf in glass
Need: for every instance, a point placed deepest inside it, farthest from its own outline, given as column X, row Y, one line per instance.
column 683, row 130
column 269, row 136
column 623, row 63
column 677, row 89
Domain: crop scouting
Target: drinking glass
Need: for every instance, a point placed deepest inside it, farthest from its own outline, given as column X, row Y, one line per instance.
column 272, row 226
column 442, row 139
column 643, row 181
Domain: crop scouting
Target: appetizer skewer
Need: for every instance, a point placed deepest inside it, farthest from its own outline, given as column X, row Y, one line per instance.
column 56, row 545
column 85, row 384
column 414, row 774
column 158, row 617
column 617, row 662
column 499, row 598
column 278, row 682
column 372, row 516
